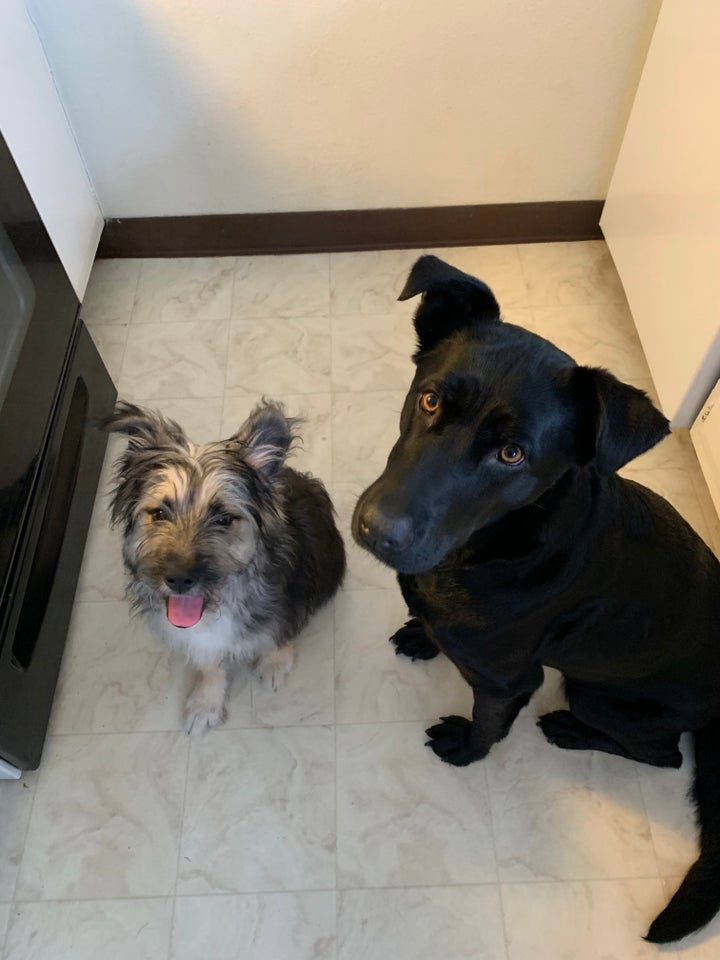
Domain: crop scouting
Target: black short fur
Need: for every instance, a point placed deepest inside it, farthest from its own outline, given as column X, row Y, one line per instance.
column 517, row 545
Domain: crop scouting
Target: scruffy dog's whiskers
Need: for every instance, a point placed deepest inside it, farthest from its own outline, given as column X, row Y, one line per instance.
column 228, row 550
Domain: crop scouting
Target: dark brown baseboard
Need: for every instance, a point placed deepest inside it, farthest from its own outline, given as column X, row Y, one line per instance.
column 346, row 230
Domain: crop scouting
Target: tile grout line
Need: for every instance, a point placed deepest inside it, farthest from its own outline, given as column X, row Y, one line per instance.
column 129, row 326
column 638, row 780
column 497, row 867
column 25, row 837
column 295, row 891
column 179, row 852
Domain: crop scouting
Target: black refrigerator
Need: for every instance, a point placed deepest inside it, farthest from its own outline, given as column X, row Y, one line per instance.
column 53, row 390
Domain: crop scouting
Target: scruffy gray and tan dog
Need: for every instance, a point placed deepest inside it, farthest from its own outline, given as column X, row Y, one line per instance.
column 228, row 550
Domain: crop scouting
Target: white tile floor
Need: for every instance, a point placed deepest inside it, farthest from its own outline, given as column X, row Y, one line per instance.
column 315, row 824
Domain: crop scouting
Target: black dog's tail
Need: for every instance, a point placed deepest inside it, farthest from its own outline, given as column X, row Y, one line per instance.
column 697, row 900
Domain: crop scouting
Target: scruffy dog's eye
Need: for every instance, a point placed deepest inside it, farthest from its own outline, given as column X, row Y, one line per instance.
column 223, row 520
column 158, row 514
column 429, row 402
column 511, row 454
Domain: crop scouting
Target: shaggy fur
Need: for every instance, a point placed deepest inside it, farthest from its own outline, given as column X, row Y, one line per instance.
column 229, row 533
column 518, row 545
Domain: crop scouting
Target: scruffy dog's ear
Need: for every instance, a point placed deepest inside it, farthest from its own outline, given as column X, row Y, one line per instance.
column 616, row 422
column 452, row 300
column 146, row 429
column 151, row 440
column 266, row 436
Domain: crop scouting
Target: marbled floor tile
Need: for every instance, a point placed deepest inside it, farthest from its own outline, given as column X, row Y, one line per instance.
column 550, row 696
column 102, row 575
column 520, row 316
column 363, row 570
column 373, row 683
column 110, row 340
column 270, row 926
column 365, row 429
column 600, row 920
column 110, row 291
column 174, row 360
column 703, row 945
column 116, row 443
column 308, row 696
column 370, row 282
column 434, row 923
column 260, row 812
column 672, row 823
column 597, row 336
column 115, row 677
column 282, row 355
column 372, row 352
column 313, row 450
column 296, row 285
column 673, row 452
column 570, row 273
column 106, row 818
column 565, row 815
column 90, row 930
column 4, row 917
column 404, row 817
column 16, row 799
column 181, row 289
column 199, row 417
column 707, row 507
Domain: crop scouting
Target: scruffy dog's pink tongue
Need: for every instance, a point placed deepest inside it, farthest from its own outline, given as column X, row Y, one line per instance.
column 183, row 610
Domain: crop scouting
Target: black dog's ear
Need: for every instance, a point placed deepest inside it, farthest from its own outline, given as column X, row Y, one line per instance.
column 616, row 422
column 266, row 436
column 145, row 429
column 452, row 300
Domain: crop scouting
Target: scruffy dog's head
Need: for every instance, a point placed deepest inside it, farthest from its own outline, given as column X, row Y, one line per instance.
column 193, row 516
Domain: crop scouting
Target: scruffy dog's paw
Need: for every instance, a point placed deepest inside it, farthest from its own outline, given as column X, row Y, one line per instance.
column 412, row 641
column 202, row 713
column 275, row 667
column 451, row 741
column 205, row 705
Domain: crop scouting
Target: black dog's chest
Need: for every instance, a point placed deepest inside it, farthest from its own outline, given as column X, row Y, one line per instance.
column 473, row 628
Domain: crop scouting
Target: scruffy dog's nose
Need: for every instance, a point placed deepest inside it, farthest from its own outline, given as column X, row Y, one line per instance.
column 382, row 531
column 180, row 581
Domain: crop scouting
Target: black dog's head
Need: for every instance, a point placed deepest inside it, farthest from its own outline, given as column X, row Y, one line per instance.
column 495, row 417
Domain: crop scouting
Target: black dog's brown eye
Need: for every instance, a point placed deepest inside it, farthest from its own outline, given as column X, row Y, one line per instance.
column 429, row 402
column 511, row 454
column 158, row 514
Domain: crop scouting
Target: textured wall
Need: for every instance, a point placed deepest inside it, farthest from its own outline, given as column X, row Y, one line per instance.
column 228, row 106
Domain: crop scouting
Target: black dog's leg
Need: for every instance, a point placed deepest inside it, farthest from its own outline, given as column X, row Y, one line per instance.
column 596, row 722
column 459, row 741
column 412, row 641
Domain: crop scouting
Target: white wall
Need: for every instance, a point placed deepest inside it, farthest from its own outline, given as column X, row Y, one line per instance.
column 227, row 106
column 37, row 133
column 662, row 216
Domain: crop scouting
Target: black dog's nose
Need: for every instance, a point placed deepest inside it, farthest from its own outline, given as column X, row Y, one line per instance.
column 382, row 531
column 180, row 581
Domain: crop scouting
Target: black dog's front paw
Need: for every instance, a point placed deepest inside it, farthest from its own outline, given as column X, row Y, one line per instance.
column 564, row 730
column 412, row 641
column 451, row 740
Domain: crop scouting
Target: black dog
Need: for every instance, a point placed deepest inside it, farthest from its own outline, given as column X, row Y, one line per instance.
column 517, row 545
